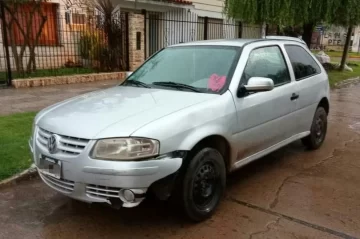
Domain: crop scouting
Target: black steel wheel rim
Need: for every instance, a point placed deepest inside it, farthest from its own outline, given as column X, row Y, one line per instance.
column 319, row 128
column 206, row 185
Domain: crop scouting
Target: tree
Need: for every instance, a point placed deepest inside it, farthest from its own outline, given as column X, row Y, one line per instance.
column 23, row 22
column 286, row 12
column 347, row 15
column 110, row 23
column 113, row 28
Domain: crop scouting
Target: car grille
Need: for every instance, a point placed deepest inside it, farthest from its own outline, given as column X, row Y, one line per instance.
column 102, row 191
column 67, row 145
column 62, row 185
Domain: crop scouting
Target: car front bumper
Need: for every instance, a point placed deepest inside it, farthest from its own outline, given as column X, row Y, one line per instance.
column 90, row 180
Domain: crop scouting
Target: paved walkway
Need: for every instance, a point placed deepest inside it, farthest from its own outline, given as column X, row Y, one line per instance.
column 37, row 98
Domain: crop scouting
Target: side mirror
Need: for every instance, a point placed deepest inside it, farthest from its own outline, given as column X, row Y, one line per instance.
column 256, row 84
column 128, row 73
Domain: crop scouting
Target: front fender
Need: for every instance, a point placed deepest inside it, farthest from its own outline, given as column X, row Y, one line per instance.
column 200, row 133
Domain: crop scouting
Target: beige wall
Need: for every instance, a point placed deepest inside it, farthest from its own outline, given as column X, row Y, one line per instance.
column 209, row 5
column 209, row 8
column 334, row 38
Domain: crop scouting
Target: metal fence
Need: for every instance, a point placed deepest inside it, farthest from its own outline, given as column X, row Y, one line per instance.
column 179, row 26
column 47, row 41
column 40, row 39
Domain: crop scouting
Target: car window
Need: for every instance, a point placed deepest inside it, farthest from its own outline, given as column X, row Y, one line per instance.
column 266, row 62
column 207, row 68
column 303, row 64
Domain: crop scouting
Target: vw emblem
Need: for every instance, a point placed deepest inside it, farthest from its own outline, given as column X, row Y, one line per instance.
column 52, row 144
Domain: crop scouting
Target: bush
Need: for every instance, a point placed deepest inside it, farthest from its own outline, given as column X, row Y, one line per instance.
column 90, row 45
column 329, row 67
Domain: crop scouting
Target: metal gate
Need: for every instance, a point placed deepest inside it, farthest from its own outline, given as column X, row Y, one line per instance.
column 179, row 26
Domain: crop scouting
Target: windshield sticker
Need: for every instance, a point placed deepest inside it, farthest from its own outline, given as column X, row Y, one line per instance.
column 216, row 82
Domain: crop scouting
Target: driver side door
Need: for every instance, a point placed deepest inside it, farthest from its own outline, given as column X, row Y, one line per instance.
column 265, row 118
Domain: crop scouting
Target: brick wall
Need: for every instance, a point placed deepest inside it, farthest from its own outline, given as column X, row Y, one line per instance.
column 136, row 51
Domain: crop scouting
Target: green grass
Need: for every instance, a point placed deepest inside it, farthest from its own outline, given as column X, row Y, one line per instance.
column 337, row 76
column 49, row 72
column 339, row 54
column 15, row 155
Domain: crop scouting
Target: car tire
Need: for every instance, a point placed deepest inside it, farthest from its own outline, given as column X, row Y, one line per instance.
column 318, row 130
column 203, row 184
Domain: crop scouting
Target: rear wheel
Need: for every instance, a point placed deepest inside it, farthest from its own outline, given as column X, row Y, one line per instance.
column 203, row 184
column 318, row 130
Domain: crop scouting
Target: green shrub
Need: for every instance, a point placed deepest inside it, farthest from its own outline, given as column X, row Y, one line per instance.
column 90, row 45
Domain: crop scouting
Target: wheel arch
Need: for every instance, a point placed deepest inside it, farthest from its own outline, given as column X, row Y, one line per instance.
column 324, row 102
column 217, row 142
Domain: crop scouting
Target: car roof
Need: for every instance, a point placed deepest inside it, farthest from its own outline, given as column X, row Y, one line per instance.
column 239, row 42
column 285, row 38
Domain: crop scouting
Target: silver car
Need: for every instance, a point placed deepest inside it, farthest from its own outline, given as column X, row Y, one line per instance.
column 181, row 122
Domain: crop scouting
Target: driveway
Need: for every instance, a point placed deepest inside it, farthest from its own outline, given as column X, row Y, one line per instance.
column 292, row 193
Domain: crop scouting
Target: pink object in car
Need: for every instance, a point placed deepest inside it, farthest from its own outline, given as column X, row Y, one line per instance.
column 216, row 82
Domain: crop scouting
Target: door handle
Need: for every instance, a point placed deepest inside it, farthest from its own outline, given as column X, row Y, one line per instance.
column 294, row 96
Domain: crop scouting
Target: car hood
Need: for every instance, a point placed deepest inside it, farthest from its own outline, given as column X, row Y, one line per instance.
column 115, row 112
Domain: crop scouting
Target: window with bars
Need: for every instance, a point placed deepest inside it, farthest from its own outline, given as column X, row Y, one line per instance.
column 78, row 18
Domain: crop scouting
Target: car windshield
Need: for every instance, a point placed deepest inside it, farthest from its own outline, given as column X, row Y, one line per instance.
column 206, row 69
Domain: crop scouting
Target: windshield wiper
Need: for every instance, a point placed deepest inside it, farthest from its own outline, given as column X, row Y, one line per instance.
column 137, row 83
column 176, row 85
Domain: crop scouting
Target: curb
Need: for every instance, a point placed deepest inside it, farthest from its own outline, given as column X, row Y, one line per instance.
column 26, row 174
column 347, row 82
column 69, row 79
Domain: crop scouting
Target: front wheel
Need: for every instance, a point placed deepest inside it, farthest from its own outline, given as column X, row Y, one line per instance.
column 203, row 184
column 317, row 131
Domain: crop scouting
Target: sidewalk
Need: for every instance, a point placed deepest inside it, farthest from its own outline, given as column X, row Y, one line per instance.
column 34, row 99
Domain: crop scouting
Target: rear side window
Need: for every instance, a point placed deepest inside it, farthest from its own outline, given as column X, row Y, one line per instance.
column 303, row 64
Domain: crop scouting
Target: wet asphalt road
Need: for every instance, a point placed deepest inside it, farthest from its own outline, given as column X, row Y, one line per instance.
column 292, row 193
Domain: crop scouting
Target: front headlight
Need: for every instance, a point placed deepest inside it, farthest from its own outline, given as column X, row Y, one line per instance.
column 125, row 149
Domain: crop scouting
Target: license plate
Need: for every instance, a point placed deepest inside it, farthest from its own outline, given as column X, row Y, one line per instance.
column 50, row 166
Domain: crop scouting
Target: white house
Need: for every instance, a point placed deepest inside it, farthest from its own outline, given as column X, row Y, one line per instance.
column 170, row 22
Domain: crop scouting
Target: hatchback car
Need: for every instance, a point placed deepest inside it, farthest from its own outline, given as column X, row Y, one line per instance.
column 181, row 122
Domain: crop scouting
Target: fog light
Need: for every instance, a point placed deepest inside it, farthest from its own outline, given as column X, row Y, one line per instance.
column 127, row 195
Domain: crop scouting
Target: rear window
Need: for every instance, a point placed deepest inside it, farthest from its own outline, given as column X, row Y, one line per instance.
column 302, row 62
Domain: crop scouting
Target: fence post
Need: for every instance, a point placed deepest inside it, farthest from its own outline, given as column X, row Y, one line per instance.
column 266, row 29
column 145, row 33
column 240, row 30
column 127, row 51
column 206, row 24
column 5, row 39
